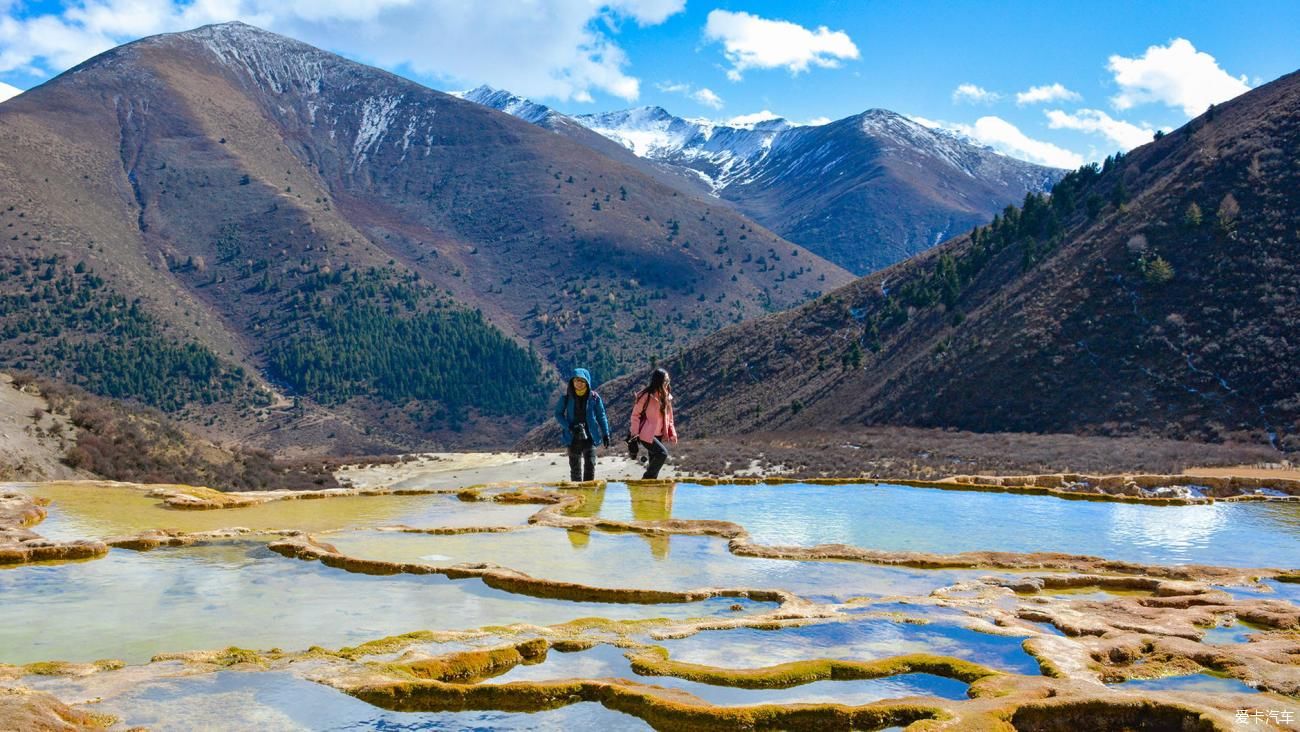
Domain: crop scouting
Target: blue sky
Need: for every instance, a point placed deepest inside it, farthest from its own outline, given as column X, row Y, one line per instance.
column 1107, row 73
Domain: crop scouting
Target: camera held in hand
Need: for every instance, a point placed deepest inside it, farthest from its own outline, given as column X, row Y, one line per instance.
column 580, row 433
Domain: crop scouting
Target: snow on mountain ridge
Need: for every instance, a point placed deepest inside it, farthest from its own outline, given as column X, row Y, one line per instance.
column 511, row 104
column 737, row 160
column 719, row 153
column 728, row 154
column 386, row 111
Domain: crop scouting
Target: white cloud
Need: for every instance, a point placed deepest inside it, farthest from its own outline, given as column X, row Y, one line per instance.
column 559, row 49
column 751, row 42
column 1124, row 134
column 706, row 97
column 749, row 120
column 1047, row 93
column 1176, row 75
column 1007, row 139
column 973, row 94
column 746, row 120
column 8, row 92
column 703, row 95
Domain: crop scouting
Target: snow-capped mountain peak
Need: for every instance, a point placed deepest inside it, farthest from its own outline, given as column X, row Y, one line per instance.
column 511, row 104
column 864, row 191
column 718, row 152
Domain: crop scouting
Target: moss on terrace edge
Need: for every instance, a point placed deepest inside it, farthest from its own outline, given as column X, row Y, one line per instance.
column 997, row 700
column 449, row 682
column 655, row 662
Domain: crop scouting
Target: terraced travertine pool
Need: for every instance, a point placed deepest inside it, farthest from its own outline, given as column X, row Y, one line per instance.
column 133, row 605
column 627, row 606
column 903, row 518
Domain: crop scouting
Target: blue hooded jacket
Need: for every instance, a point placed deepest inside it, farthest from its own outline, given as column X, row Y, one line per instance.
column 597, row 422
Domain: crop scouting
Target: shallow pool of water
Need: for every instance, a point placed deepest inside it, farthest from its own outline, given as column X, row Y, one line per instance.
column 649, row 562
column 133, row 605
column 82, row 511
column 862, row 640
column 902, row 518
column 1237, row 631
column 1266, row 590
column 607, row 661
column 279, row 701
column 1204, row 683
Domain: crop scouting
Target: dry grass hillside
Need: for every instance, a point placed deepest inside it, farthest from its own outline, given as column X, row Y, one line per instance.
column 314, row 253
column 1155, row 295
column 33, row 442
column 50, row 431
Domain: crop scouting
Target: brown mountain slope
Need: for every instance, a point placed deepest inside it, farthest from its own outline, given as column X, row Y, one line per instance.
column 1114, row 307
column 864, row 192
column 318, row 226
column 876, row 188
column 62, row 432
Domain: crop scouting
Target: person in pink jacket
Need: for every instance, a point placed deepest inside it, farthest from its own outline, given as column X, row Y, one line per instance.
column 652, row 421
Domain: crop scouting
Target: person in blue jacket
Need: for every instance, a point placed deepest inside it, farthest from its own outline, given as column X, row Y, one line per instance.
column 581, row 414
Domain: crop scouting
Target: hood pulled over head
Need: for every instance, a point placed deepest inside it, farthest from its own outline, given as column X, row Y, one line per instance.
column 583, row 374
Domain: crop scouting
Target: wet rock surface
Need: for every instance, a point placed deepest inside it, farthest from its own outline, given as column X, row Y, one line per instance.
column 19, row 544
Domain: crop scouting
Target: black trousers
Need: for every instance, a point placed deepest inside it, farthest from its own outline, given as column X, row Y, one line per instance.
column 658, row 456
column 582, row 460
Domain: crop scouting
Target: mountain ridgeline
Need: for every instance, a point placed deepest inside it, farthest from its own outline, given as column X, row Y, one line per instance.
column 299, row 251
column 1154, row 294
column 864, row 192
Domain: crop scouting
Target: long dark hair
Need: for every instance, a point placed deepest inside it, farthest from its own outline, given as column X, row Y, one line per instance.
column 659, row 389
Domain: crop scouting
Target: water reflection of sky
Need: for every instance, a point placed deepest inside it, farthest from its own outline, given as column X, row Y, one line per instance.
column 1204, row 683
column 650, row 562
column 1174, row 531
column 924, row 519
column 283, row 702
column 860, row 640
column 133, row 605
column 607, row 661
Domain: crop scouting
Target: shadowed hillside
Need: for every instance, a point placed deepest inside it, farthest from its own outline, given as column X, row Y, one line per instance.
column 1153, row 295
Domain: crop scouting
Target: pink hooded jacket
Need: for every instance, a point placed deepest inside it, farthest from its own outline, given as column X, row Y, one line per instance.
column 655, row 425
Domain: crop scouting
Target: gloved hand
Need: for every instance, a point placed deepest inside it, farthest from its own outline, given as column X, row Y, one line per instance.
column 606, row 442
